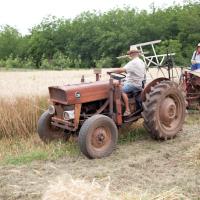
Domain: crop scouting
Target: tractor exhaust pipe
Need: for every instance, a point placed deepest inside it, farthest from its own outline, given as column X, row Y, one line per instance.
column 97, row 72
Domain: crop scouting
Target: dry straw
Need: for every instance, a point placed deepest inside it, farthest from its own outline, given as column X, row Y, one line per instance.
column 19, row 116
column 68, row 188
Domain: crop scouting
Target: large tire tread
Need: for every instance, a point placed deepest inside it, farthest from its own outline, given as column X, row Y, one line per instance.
column 150, row 108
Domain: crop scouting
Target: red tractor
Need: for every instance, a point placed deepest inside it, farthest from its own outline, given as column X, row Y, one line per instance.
column 93, row 111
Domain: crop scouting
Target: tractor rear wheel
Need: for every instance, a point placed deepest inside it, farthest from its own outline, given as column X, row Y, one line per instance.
column 98, row 136
column 164, row 110
column 47, row 132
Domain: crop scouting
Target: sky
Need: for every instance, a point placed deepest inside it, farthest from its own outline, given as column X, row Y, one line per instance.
column 24, row 14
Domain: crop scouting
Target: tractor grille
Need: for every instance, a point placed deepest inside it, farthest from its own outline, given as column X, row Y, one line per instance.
column 57, row 94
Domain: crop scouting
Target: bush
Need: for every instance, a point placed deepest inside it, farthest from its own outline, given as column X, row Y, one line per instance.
column 77, row 63
column 105, row 62
column 60, row 61
column 46, row 64
column 13, row 62
column 29, row 64
column 2, row 63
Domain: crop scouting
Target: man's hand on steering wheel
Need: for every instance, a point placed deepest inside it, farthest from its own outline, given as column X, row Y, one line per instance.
column 117, row 76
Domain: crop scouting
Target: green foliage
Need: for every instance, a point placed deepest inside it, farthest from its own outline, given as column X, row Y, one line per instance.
column 10, row 42
column 13, row 62
column 28, row 64
column 105, row 62
column 2, row 63
column 17, row 62
column 172, row 46
column 77, row 63
column 59, row 62
column 95, row 39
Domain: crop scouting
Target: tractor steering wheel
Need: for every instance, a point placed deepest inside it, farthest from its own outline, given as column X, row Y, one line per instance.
column 116, row 76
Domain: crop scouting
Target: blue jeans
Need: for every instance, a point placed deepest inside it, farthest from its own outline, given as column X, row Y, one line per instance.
column 195, row 66
column 130, row 88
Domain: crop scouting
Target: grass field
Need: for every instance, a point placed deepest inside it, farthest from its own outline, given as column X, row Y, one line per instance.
column 140, row 168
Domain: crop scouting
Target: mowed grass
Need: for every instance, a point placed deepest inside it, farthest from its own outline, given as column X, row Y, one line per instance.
column 18, row 151
column 20, row 143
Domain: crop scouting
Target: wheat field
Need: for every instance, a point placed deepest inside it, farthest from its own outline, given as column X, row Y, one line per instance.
column 36, row 83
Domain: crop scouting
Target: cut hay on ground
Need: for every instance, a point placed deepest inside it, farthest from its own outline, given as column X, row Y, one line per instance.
column 67, row 188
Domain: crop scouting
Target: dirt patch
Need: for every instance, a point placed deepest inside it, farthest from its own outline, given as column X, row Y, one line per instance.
column 143, row 167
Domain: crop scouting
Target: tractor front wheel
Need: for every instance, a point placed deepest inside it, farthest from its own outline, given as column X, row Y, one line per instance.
column 164, row 110
column 98, row 136
column 47, row 132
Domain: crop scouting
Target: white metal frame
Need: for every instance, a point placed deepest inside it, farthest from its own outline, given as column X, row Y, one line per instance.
column 154, row 60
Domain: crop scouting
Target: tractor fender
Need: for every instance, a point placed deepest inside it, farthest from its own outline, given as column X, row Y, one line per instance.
column 147, row 89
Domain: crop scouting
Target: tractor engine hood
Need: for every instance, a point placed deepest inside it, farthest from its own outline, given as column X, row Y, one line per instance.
column 79, row 93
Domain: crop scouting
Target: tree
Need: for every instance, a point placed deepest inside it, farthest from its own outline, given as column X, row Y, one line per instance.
column 10, row 42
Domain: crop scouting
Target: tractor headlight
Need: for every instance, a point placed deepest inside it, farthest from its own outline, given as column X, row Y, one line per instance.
column 67, row 115
column 51, row 110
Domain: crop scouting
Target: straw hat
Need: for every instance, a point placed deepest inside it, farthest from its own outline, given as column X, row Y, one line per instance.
column 133, row 49
column 198, row 45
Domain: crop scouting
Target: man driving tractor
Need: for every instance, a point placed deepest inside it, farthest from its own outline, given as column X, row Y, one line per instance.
column 135, row 70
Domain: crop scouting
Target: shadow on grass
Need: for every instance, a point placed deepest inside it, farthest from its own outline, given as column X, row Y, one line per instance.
column 132, row 133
